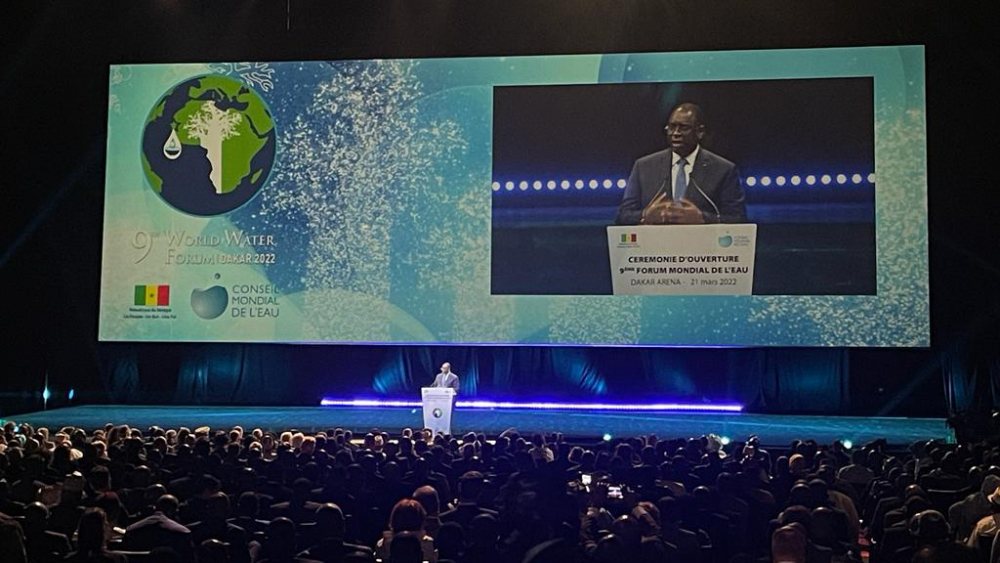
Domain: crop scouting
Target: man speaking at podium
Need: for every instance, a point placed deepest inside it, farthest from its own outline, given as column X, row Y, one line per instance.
column 684, row 184
column 446, row 378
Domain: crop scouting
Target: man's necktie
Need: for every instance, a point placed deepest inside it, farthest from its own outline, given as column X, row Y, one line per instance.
column 681, row 184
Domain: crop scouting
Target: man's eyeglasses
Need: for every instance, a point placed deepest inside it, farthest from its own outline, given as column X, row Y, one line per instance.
column 678, row 128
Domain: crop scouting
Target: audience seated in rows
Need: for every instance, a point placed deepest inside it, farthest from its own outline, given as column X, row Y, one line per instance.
column 122, row 494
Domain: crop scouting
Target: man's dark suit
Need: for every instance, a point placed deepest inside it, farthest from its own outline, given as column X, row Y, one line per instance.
column 713, row 179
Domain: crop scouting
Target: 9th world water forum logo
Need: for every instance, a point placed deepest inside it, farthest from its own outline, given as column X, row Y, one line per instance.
column 208, row 145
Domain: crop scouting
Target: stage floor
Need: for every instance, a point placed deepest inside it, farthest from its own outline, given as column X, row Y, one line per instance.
column 772, row 429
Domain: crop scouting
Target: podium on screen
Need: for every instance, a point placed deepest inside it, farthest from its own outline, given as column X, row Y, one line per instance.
column 713, row 259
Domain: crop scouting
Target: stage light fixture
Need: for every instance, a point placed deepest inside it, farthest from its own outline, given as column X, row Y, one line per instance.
column 751, row 181
column 607, row 437
column 579, row 184
column 551, row 184
column 826, row 179
column 622, row 182
column 564, row 184
column 857, row 178
column 523, row 186
column 796, row 180
column 496, row 186
column 811, row 180
column 509, row 186
column 608, row 184
column 765, row 181
column 780, row 180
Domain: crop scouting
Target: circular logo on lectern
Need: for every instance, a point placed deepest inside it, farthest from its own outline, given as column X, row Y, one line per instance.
column 436, row 413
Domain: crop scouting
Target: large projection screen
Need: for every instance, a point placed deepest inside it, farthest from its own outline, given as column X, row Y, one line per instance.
column 467, row 200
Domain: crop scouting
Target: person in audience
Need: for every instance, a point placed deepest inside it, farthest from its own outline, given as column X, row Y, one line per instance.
column 92, row 540
column 987, row 527
column 330, row 546
column 43, row 544
column 160, row 530
column 279, row 545
column 964, row 514
column 427, row 496
column 470, row 486
column 12, row 548
column 407, row 517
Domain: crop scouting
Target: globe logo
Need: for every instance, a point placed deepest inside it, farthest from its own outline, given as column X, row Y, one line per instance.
column 208, row 145
column 726, row 241
column 210, row 302
column 437, row 413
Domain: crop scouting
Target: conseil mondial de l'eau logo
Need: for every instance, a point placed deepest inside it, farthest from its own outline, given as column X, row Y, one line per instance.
column 208, row 145
column 209, row 302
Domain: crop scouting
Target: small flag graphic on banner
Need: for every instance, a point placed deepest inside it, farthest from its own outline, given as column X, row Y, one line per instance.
column 629, row 237
column 152, row 295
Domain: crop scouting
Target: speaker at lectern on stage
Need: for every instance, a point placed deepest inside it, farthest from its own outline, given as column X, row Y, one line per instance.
column 437, row 408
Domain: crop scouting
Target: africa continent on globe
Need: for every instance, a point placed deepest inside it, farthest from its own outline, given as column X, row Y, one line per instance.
column 208, row 145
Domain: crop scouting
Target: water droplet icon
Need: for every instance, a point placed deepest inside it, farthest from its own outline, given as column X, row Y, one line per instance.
column 172, row 148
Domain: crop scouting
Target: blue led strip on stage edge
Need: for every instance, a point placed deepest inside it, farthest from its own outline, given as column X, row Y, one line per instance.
column 531, row 405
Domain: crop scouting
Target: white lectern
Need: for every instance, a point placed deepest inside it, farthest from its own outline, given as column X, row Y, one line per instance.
column 437, row 408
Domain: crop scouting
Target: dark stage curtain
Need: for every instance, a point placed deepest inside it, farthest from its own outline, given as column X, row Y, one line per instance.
column 766, row 380
column 971, row 381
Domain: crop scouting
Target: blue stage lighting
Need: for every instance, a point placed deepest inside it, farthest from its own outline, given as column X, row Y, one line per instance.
column 607, row 437
column 551, row 184
column 725, row 440
column 826, row 179
column 579, row 184
column 857, row 178
column 509, row 186
column 841, row 179
column 811, row 180
column 608, row 184
column 46, row 394
column 796, row 180
column 871, row 178
column 72, row 394
column 496, row 186
column 780, row 180
column 537, row 184
column 751, row 181
column 593, row 184
column 530, row 405
column 564, row 184
column 622, row 182
column 765, row 181
column 523, row 185
column 848, row 444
